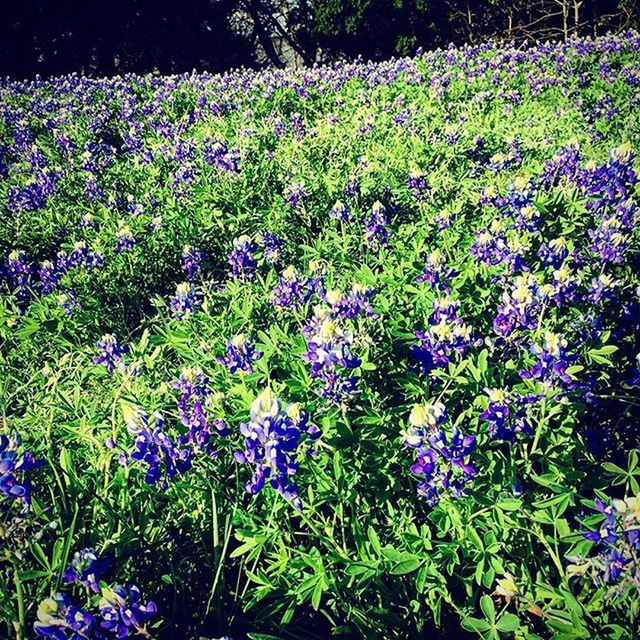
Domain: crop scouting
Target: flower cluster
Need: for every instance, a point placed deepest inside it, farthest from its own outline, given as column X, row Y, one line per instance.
column 195, row 396
column 435, row 271
column 86, row 568
column 241, row 352
column 120, row 615
column 217, row 154
column 340, row 211
column 153, row 447
column 242, row 258
column 521, row 305
column 446, row 336
column 272, row 440
column 552, row 362
column 185, row 301
column 508, row 414
column 192, row 260
column 356, row 302
column 377, row 226
column 443, row 460
column 13, row 465
column 293, row 289
column 272, row 246
column 124, row 238
column 329, row 352
column 111, row 352
column 617, row 540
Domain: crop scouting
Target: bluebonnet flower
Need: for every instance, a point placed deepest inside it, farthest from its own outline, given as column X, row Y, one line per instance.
column 521, row 305
column 606, row 533
column 86, row 568
column 329, row 352
column 272, row 245
column 68, row 301
column 124, row 238
column 418, row 185
column 444, row 218
column 156, row 223
column 354, row 303
column 554, row 253
column 13, row 465
column 50, row 274
column 217, row 154
column 272, row 440
column 111, row 352
column 340, row 211
column 241, row 352
column 610, row 240
column 376, row 226
column 292, row 289
column 185, row 301
column 507, row 414
column 604, row 287
column 122, row 612
column 435, row 271
column 242, row 257
column 446, row 336
column 617, row 540
column 553, row 361
column 634, row 378
column 295, row 193
column 442, row 460
column 192, row 261
column 88, row 221
column 164, row 457
column 195, row 397
column 18, row 270
column 490, row 245
column 565, row 285
column 58, row 619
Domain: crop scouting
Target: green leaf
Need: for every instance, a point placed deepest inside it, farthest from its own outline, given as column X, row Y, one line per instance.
column 406, row 566
column 508, row 622
column 488, row 608
column 475, row 624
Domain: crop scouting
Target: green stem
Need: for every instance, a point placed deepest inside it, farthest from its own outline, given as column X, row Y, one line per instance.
column 20, row 596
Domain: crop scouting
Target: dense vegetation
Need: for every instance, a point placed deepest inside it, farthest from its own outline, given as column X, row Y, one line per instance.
column 348, row 351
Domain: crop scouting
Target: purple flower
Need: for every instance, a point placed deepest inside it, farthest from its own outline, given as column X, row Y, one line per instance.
column 13, row 465
column 122, row 612
column 195, row 397
column 295, row 193
column 86, row 568
column 418, row 185
column 242, row 258
column 507, row 414
column 124, row 238
column 356, row 302
column 446, row 336
column 553, row 361
column 329, row 352
column 442, row 461
column 192, row 261
column 340, row 211
column 241, row 352
column 110, row 352
column 271, row 247
column 376, row 226
column 293, row 289
column 185, row 301
column 272, row 439
column 435, row 271
column 58, row 619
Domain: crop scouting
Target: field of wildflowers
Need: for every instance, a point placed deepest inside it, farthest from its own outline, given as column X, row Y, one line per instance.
column 348, row 352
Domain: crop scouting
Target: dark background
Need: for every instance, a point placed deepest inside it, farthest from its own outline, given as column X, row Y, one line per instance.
column 52, row 37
